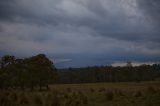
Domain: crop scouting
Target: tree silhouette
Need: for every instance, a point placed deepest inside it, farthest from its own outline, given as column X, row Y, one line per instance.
column 27, row 73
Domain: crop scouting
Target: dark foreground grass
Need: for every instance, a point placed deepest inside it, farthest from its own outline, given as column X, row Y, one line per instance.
column 101, row 94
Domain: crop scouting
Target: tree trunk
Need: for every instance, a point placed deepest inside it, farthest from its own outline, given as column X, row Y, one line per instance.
column 47, row 87
column 22, row 87
column 32, row 86
column 40, row 85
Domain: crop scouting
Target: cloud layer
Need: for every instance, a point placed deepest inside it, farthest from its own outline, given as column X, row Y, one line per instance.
column 88, row 32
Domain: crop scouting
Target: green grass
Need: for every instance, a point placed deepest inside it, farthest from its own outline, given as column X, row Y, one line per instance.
column 91, row 94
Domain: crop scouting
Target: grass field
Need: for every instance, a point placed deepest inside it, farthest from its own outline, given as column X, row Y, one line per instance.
column 96, row 94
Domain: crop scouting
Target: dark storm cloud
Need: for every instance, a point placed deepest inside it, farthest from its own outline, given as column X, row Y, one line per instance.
column 151, row 11
column 151, row 8
column 23, row 11
column 8, row 9
column 86, row 27
column 105, row 21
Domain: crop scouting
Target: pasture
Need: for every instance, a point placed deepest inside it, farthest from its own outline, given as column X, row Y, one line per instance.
column 91, row 94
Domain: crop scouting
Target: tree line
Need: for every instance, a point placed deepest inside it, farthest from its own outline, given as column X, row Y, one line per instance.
column 110, row 74
column 38, row 72
column 28, row 73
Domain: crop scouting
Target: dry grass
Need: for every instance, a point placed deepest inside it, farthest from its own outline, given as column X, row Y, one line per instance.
column 101, row 94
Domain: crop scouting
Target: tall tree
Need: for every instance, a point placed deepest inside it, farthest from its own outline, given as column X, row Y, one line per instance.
column 42, row 69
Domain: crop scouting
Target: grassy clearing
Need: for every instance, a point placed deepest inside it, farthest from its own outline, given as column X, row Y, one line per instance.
column 95, row 94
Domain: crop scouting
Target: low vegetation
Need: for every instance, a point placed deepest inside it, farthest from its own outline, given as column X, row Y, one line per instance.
column 110, row 94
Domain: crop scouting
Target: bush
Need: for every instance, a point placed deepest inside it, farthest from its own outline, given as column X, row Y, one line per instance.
column 85, row 100
column 23, row 100
column 66, row 96
column 109, row 95
column 37, row 100
column 102, row 89
column 55, row 101
column 13, row 98
column 151, row 90
column 69, row 90
column 138, row 94
column 119, row 93
column 77, row 103
column 4, row 100
column 92, row 90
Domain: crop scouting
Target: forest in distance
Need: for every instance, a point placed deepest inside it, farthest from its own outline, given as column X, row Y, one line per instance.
column 39, row 71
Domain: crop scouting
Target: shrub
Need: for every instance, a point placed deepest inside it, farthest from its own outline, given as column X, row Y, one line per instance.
column 102, row 89
column 66, row 96
column 92, row 90
column 47, row 99
column 4, row 100
column 13, row 98
column 80, row 93
column 74, row 95
column 149, row 104
column 109, row 95
column 23, row 99
column 119, row 92
column 55, row 101
column 68, row 102
column 69, row 90
column 151, row 90
column 77, row 103
column 85, row 100
column 37, row 100
column 115, row 105
column 138, row 94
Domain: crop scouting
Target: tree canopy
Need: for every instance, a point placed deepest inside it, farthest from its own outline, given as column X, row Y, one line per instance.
column 27, row 73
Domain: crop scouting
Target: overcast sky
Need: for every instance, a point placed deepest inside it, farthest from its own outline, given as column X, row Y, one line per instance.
column 77, row 33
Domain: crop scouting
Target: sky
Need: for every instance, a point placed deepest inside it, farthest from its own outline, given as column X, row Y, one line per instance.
column 79, row 33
